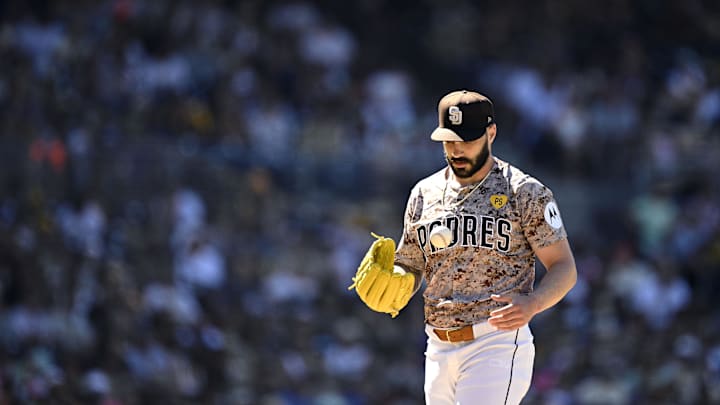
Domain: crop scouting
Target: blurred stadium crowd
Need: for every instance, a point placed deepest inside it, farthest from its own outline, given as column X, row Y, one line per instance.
column 187, row 188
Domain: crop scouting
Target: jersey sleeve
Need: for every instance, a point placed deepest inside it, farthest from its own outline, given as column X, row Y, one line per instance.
column 540, row 215
column 408, row 253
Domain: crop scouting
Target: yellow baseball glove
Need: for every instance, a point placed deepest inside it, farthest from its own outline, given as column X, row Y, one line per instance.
column 378, row 285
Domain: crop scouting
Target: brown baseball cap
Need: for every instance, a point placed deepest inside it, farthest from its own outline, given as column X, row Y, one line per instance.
column 463, row 116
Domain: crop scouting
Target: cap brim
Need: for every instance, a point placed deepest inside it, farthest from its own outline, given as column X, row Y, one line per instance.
column 446, row 135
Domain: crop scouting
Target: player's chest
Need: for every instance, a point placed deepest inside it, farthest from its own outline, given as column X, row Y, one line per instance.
column 485, row 220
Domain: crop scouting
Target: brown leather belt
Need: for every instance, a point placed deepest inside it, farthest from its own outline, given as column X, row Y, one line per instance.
column 463, row 334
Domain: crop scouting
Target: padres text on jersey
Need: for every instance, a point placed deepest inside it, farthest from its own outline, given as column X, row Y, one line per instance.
column 469, row 230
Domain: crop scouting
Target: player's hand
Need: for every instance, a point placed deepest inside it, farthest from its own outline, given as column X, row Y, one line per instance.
column 517, row 313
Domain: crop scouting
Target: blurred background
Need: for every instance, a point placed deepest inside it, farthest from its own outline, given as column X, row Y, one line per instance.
column 187, row 188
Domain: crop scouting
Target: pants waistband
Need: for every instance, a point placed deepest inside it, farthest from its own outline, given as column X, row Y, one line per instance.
column 461, row 334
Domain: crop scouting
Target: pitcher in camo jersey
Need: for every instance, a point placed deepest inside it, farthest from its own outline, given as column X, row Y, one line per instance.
column 479, row 295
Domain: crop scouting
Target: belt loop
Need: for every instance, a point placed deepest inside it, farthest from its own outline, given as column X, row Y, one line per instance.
column 447, row 334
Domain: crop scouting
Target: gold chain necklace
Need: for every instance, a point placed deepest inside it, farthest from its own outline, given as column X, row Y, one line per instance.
column 468, row 194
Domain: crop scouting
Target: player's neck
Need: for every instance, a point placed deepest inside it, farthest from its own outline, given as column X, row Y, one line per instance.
column 479, row 175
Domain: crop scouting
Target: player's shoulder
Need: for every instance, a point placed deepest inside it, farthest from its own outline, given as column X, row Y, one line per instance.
column 518, row 181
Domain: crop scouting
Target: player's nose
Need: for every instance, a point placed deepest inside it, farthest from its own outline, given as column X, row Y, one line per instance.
column 453, row 149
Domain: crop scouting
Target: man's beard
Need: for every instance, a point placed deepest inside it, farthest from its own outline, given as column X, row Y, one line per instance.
column 475, row 164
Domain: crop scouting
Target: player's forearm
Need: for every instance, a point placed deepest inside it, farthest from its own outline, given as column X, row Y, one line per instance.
column 556, row 283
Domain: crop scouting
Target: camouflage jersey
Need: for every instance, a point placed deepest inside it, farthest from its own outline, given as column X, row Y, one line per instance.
column 496, row 226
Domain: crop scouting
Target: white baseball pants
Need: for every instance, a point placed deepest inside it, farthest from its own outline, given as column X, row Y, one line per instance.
column 494, row 369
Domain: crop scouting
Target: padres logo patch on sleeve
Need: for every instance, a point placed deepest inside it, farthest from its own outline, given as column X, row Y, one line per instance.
column 552, row 215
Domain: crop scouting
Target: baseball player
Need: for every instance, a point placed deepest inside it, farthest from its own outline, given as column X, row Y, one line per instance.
column 472, row 231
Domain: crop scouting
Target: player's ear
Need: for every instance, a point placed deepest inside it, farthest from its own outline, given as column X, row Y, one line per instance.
column 491, row 132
